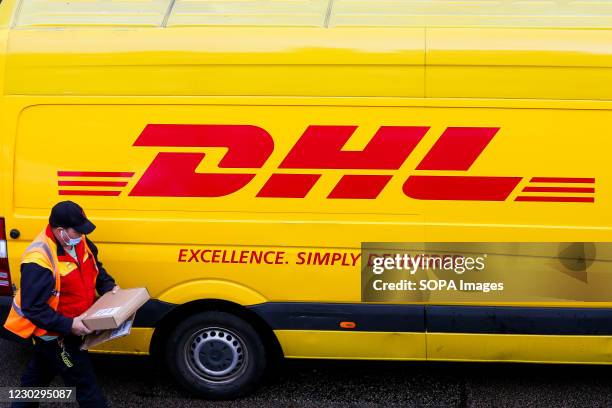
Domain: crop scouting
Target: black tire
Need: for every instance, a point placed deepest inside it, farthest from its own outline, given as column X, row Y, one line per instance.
column 216, row 355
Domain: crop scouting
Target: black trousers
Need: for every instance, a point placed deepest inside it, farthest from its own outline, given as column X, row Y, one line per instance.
column 47, row 363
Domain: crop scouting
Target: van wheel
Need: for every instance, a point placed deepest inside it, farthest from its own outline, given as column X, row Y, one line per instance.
column 216, row 355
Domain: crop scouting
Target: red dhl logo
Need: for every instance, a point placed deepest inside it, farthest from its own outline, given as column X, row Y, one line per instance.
column 172, row 174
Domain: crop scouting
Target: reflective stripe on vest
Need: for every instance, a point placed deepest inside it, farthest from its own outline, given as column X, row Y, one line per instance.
column 16, row 322
column 47, row 250
column 17, row 309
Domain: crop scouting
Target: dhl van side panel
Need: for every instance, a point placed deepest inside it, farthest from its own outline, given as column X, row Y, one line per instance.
column 182, row 225
column 252, row 171
column 378, row 331
column 188, row 61
column 522, row 147
column 519, row 63
column 352, row 345
column 230, row 225
column 519, row 348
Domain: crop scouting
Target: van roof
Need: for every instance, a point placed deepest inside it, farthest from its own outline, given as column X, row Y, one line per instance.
column 314, row 13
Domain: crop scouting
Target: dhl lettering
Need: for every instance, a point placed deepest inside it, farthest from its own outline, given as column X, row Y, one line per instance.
column 222, row 256
column 173, row 174
column 268, row 257
column 458, row 149
column 327, row 258
column 320, row 147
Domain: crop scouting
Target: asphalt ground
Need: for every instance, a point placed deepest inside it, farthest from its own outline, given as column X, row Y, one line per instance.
column 137, row 381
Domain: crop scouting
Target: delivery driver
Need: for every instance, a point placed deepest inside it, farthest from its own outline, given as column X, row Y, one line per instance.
column 60, row 274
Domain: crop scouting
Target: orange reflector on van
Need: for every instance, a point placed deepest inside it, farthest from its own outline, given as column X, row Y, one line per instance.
column 348, row 325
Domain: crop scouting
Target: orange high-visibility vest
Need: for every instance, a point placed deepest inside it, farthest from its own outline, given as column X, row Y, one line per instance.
column 42, row 251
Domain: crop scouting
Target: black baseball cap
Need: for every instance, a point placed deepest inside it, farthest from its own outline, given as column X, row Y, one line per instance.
column 68, row 214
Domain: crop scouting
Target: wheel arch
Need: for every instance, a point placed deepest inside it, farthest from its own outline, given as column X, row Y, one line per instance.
column 166, row 325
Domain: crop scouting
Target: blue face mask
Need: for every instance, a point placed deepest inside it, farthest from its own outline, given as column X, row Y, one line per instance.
column 70, row 241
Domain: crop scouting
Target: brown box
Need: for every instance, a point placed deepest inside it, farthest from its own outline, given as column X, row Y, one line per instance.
column 101, row 336
column 113, row 309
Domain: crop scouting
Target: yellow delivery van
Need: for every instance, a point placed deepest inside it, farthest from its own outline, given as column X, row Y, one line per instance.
column 235, row 156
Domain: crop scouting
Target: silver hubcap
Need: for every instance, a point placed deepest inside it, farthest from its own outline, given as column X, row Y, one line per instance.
column 216, row 355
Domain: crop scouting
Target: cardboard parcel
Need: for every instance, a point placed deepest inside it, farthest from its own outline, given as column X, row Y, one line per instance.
column 112, row 315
